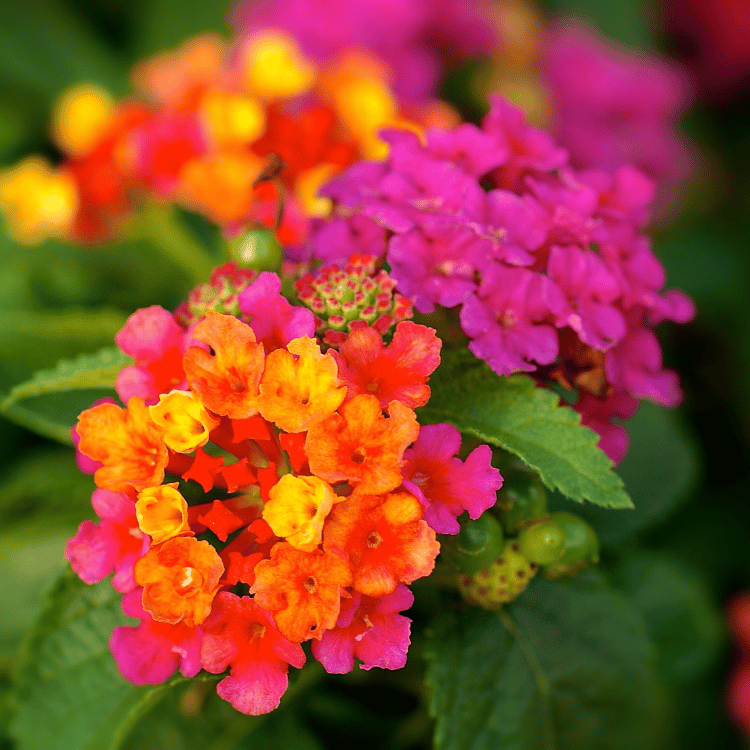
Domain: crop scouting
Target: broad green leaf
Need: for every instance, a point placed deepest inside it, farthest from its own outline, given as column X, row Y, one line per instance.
column 69, row 693
column 628, row 23
column 44, row 48
column 657, row 439
column 44, row 481
column 32, row 340
column 85, row 372
column 167, row 23
column 52, row 415
column 567, row 666
column 682, row 620
column 528, row 421
column 193, row 716
column 32, row 553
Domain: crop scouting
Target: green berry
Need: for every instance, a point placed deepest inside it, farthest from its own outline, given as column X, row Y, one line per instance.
column 523, row 499
column 581, row 546
column 258, row 249
column 479, row 543
column 501, row 582
column 543, row 543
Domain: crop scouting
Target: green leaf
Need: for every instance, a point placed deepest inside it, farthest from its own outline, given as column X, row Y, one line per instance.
column 44, row 48
column 684, row 622
column 528, row 421
column 168, row 23
column 32, row 340
column 657, row 439
column 52, row 399
column 565, row 667
column 88, row 371
column 69, row 693
column 44, row 481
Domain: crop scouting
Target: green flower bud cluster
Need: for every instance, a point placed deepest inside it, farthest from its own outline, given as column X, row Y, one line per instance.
column 496, row 559
column 341, row 297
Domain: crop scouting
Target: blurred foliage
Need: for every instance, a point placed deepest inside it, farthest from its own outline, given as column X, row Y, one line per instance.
column 679, row 555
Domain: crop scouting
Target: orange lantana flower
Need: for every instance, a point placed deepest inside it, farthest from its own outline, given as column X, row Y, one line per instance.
column 297, row 509
column 180, row 579
column 302, row 590
column 182, row 421
column 228, row 375
column 125, row 441
column 359, row 445
column 162, row 512
column 299, row 386
column 385, row 540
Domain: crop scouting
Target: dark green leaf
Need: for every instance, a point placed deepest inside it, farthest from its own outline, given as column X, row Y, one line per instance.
column 682, row 620
column 565, row 667
column 69, row 693
column 44, row 48
column 86, row 372
column 657, row 440
column 528, row 421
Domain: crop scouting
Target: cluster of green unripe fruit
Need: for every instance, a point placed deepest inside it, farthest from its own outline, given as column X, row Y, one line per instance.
column 501, row 551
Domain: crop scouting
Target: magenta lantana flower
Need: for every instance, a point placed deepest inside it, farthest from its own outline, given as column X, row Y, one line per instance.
column 445, row 485
column 111, row 546
column 151, row 652
column 240, row 635
column 371, row 630
column 156, row 342
column 274, row 321
column 510, row 319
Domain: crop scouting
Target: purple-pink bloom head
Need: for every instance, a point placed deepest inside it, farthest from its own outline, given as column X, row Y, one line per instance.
column 613, row 107
column 511, row 319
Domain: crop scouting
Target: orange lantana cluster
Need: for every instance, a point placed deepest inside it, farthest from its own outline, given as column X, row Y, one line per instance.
column 303, row 529
column 227, row 130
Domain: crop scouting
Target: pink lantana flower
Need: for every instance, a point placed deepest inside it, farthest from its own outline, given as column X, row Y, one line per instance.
column 398, row 371
column 274, row 321
column 445, row 485
column 150, row 653
column 369, row 629
column 510, row 319
column 242, row 636
column 112, row 546
column 591, row 289
column 596, row 413
column 156, row 342
column 437, row 264
column 635, row 365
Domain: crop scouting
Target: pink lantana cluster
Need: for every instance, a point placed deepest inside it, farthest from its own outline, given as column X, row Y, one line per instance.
column 610, row 107
column 231, row 575
column 549, row 265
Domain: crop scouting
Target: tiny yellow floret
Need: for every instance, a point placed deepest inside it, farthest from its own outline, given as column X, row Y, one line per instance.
column 182, row 421
column 37, row 200
column 297, row 509
column 275, row 67
column 81, row 117
column 233, row 120
column 162, row 512
column 299, row 386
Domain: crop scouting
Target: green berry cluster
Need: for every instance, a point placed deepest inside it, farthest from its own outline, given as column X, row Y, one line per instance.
column 499, row 553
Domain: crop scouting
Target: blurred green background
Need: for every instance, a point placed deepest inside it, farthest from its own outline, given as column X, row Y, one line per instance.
column 57, row 301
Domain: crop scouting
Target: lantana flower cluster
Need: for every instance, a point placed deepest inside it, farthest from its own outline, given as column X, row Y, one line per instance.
column 547, row 266
column 261, row 489
column 222, row 129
